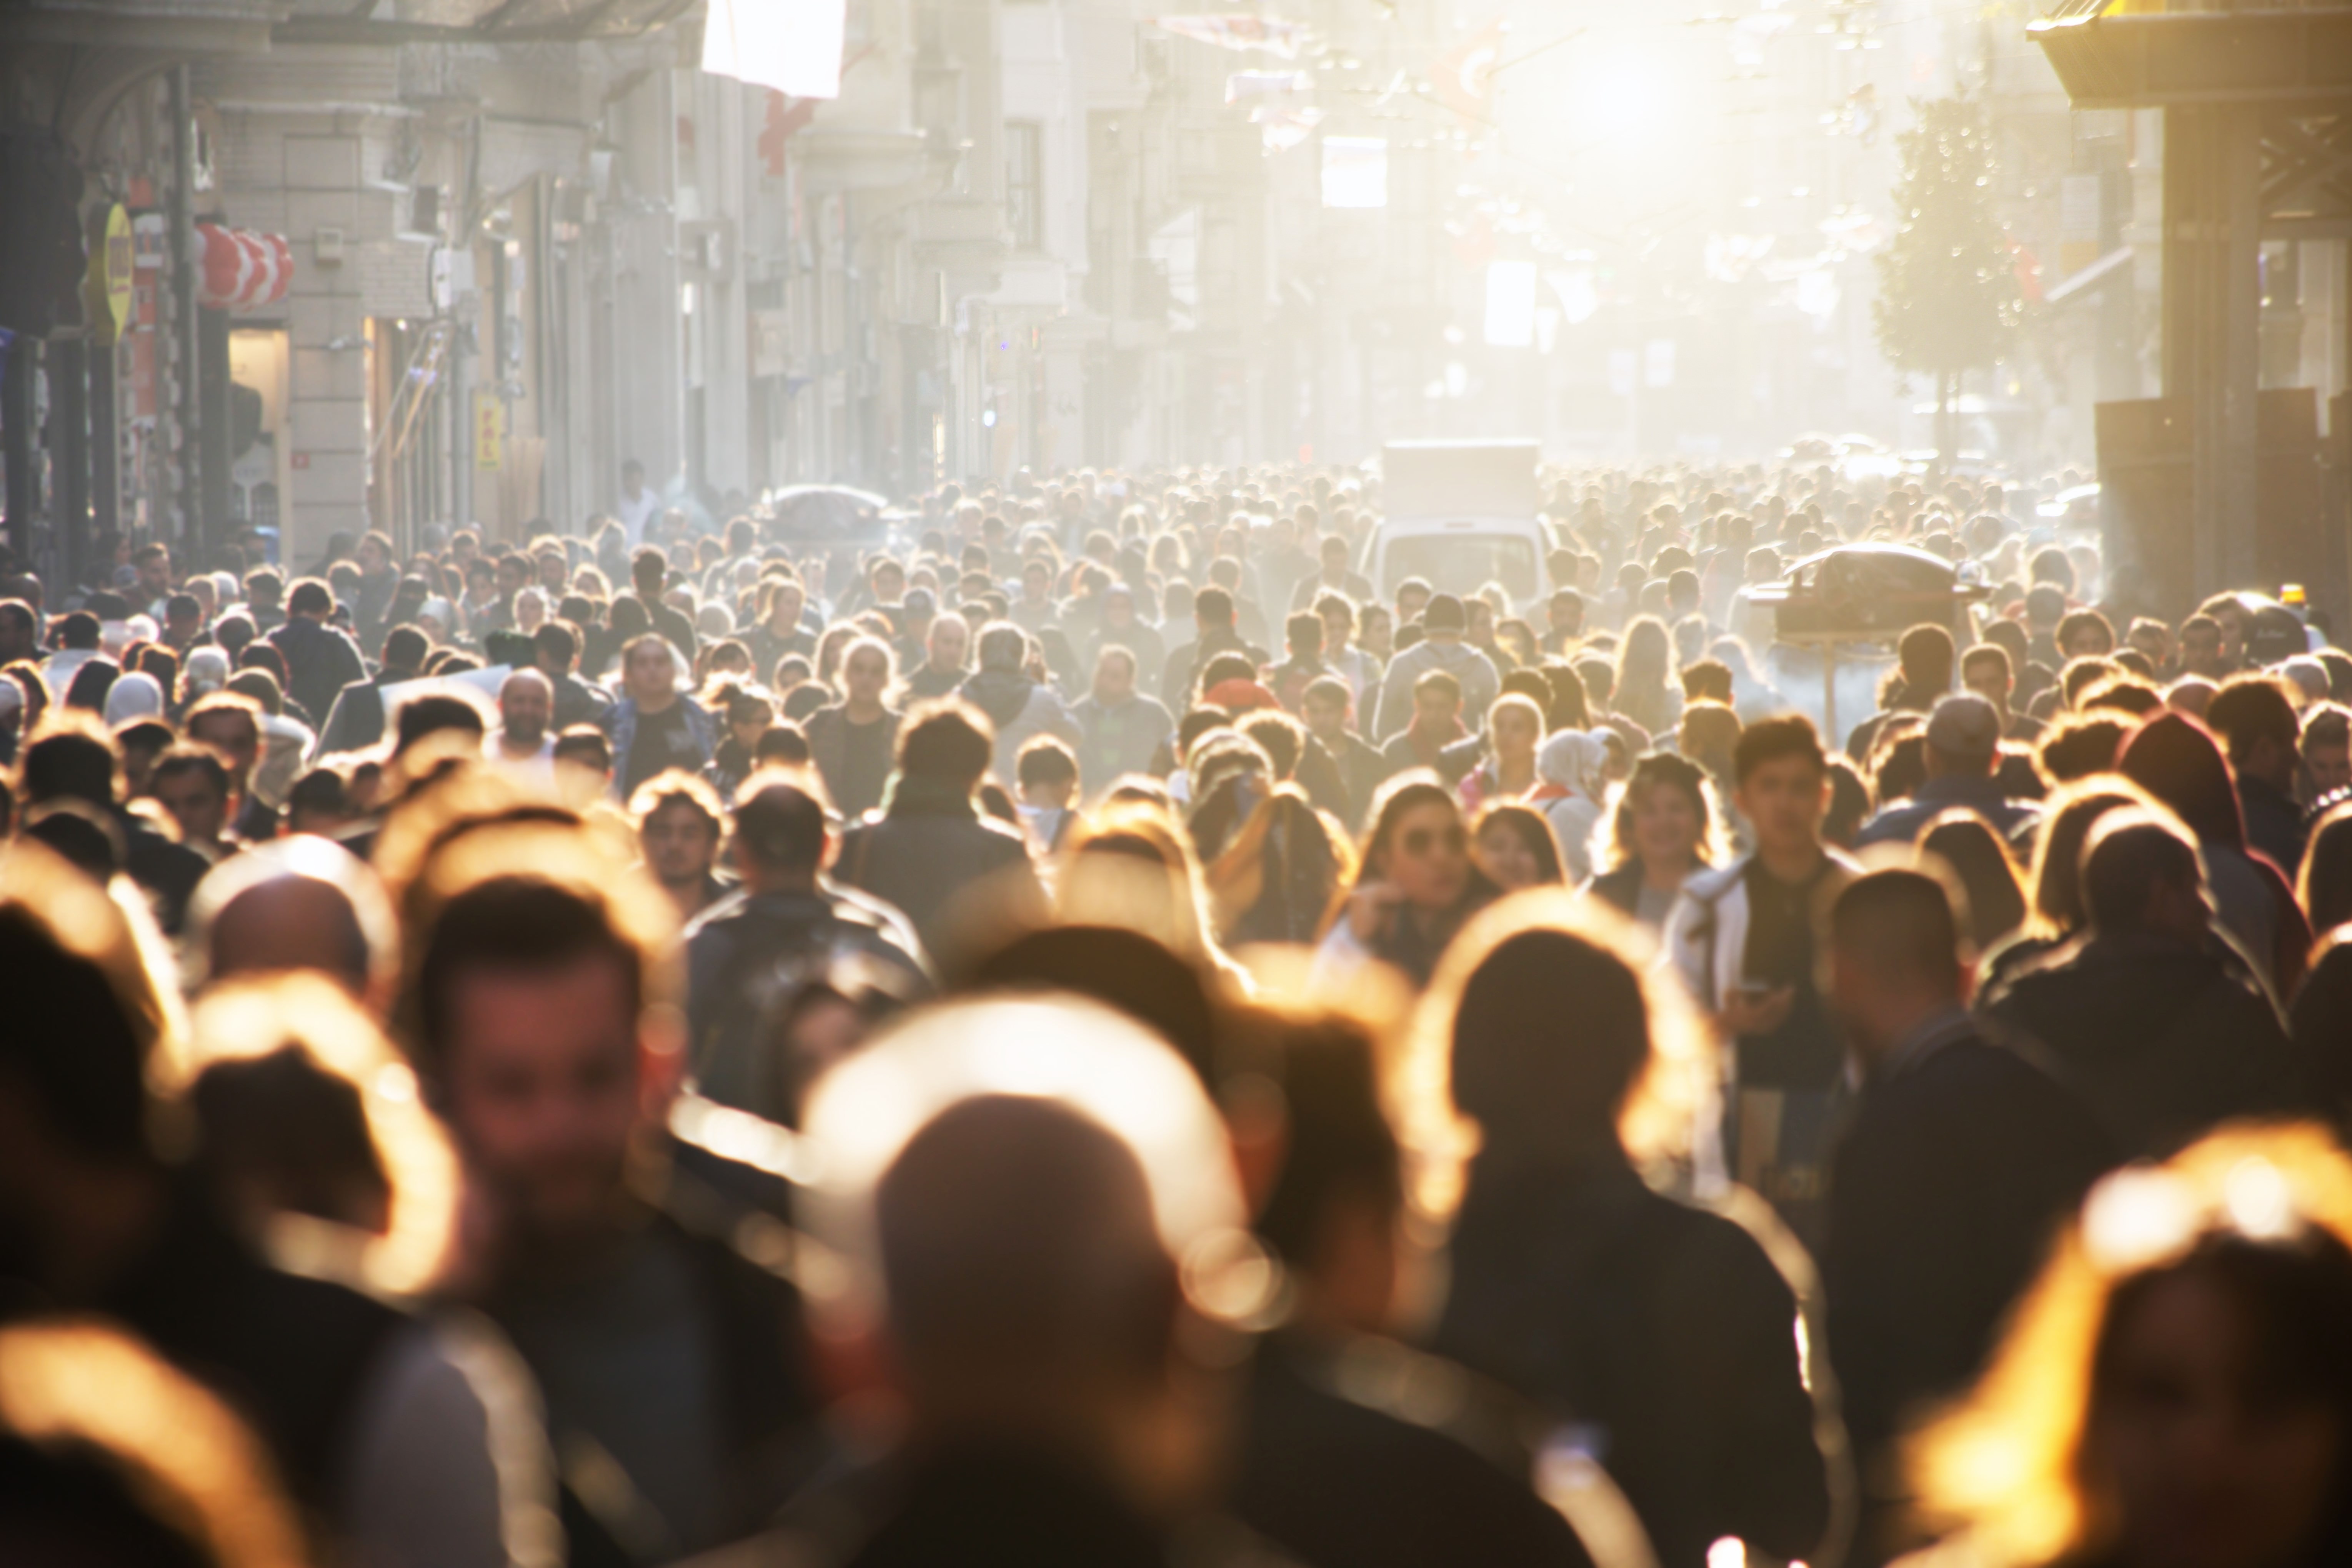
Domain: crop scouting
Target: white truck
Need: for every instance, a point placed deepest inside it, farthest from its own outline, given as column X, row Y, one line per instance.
column 1459, row 515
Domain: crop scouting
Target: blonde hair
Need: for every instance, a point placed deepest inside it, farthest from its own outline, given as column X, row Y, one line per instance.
column 78, row 1389
column 2005, row 1463
column 249, row 1018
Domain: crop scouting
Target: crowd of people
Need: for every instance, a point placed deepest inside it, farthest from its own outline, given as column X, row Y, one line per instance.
column 1078, row 1029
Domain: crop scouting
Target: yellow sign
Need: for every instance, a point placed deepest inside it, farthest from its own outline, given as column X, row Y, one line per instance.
column 489, row 430
column 106, row 289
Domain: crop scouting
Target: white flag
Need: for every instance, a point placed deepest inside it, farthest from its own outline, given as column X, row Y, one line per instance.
column 791, row 45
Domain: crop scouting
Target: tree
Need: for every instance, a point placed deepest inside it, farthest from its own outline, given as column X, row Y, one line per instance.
column 1947, row 296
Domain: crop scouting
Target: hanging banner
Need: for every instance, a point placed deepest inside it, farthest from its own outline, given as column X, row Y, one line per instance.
column 1272, row 34
column 106, row 289
column 489, row 430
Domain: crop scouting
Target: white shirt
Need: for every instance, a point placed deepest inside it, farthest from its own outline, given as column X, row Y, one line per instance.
column 635, row 515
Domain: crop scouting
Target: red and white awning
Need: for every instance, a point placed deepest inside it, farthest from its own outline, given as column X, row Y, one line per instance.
column 242, row 267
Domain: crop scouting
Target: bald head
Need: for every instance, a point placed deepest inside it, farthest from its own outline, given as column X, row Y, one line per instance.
column 1021, row 1257
column 291, row 923
column 526, row 707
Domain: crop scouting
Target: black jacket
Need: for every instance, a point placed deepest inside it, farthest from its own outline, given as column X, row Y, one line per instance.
column 2274, row 823
column 2159, row 1040
column 321, row 660
column 928, row 847
column 1960, row 1159
column 1665, row 1329
column 746, row 959
column 1354, row 1456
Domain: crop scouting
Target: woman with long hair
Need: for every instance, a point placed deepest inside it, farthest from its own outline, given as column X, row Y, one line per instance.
column 2177, row 760
column 2056, row 912
column 1417, row 885
column 1645, row 689
column 2324, row 887
column 1663, row 825
column 1664, row 1332
column 1514, row 728
column 1512, row 843
column 1981, row 861
column 2175, row 1390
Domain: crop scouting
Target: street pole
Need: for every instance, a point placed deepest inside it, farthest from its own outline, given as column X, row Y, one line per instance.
column 185, row 262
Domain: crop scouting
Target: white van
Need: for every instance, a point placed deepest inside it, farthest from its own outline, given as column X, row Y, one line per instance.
column 1459, row 515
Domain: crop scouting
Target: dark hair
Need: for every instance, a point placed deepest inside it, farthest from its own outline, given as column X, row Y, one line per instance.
column 2123, row 867
column 2177, row 760
column 70, row 759
column 1982, row 862
column 1548, row 1038
column 2249, row 707
column 1215, row 606
column 309, row 596
column 508, row 924
column 780, row 821
column 1282, row 738
column 70, row 1039
column 781, row 744
column 1769, row 740
column 1707, row 679
column 192, row 757
column 1045, row 760
column 586, row 744
column 1339, row 1147
column 405, row 647
column 431, row 713
column 1899, row 921
column 1124, row 970
column 1531, row 829
column 949, row 742
column 2078, row 745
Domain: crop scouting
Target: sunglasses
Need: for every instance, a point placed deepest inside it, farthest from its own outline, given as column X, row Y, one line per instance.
column 1418, row 841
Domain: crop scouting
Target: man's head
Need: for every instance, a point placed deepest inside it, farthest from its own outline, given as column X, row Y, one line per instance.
column 154, row 565
column 1895, row 958
column 296, row 902
column 405, row 650
column 1436, row 699
column 1325, row 707
column 781, row 832
column 948, row 644
column 310, row 599
column 1212, row 611
column 554, row 647
column 947, row 744
column 1004, row 647
column 1114, row 675
column 1445, row 620
column 2201, row 648
column 679, row 828
column 648, row 569
column 865, row 672
column 526, row 707
column 533, row 1034
column 1782, row 783
column 194, row 784
column 20, row 631
column 1046, row 773
column 2256, row 720
column 1565, row 612
column 2141, row 875
column 2327, row 749
column 1017, row 1222
column 1985, row 670
column 650, row 672
column 632, row 479
column 1302, row 635
column 230, row 723
column 1926, row 657
column 786, row 603
column 2085, row 634
column 1963, row 737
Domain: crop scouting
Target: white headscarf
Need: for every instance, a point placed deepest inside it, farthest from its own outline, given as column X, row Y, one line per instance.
column 134, row 696
column 207, row 670
column 1578, row 762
